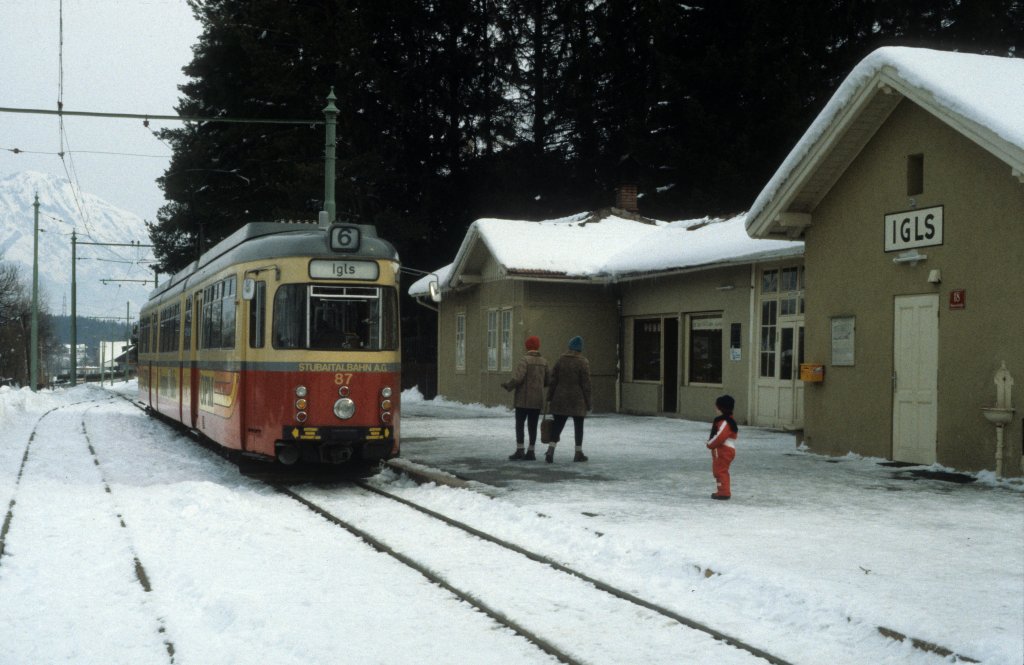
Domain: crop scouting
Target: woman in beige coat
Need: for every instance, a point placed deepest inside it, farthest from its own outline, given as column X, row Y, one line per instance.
column 569, row 395
column 529, row 378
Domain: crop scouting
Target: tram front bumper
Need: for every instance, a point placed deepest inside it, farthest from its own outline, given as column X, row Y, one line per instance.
column 334, row 445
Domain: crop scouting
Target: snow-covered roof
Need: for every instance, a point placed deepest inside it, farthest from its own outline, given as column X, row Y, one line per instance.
column 603, row 248
column 980, row 96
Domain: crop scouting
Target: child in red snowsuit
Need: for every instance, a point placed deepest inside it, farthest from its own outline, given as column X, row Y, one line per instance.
column 724, row 432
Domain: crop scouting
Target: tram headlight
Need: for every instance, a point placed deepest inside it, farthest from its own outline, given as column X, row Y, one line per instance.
column 385, row 405
column 344, row 408
column 300, row 417
column 386, row 417
column 300, row 391
column 385, row 392
column 301, row 404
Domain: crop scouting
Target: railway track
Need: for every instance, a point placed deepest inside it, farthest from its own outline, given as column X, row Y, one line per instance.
column 655, row 628
column 540, row 599
column 568, row 614
column 76, row 449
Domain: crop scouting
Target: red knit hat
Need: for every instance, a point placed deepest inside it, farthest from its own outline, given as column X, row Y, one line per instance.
column 533, row 343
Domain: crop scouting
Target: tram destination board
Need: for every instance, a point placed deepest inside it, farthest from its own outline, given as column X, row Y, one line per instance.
column 338, row 269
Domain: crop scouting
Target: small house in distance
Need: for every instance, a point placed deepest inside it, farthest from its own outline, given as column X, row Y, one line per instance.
column 672, row 313
column 908, row 190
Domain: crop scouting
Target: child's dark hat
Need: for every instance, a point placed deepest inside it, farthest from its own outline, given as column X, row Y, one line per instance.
column 725, row 404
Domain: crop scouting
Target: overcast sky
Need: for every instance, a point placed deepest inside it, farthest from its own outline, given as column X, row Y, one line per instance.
column 120, row 56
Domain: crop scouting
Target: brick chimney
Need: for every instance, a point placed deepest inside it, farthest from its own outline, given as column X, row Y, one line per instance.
column 628, row 175
column 625, row 198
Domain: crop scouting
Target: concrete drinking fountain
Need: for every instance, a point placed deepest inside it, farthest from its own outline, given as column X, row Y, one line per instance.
column 1002, row 413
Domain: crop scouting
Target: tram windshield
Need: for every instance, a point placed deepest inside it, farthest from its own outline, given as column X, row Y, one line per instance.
column 335, row 318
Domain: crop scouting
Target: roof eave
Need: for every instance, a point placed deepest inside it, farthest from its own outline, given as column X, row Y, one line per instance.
column 546, row 276
column 767, row 221
column 760, row 257
column 461, row 257
column 770, row 220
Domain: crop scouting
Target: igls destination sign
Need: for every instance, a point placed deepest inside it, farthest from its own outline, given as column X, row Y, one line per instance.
column 913, row 228
column 332, row 269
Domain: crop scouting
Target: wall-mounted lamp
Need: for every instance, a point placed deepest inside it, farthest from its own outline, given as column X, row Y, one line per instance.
column 913, row 257
column 725, row 287
column 934, row 276
column 434, row 288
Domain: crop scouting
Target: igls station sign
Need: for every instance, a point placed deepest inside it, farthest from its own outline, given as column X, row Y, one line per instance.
column 913, row 228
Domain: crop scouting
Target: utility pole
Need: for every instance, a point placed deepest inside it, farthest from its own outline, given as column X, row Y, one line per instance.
column 34, row 354
column 73, row 372
column 127, row 336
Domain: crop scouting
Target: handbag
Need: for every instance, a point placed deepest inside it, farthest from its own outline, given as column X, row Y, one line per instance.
column 546, row 424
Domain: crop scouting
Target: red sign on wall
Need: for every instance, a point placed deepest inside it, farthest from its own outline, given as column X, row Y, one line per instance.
column 958, row 299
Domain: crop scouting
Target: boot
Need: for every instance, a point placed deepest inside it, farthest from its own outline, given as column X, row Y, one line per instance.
column 719, row 497
column 580, row 457
column 517, row 455
column 530, row 455
column 549, row 456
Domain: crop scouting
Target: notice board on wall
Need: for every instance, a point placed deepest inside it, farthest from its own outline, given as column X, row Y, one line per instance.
column 843, row 329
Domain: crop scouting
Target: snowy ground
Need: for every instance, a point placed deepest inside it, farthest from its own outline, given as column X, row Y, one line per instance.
column 807, row 561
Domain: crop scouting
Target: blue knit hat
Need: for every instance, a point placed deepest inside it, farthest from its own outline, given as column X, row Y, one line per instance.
column 576, row 343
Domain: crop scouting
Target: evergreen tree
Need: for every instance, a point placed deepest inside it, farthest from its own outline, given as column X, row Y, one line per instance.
column 452, row 110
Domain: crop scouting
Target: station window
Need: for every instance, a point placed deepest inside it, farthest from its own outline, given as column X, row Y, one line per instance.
column 506, row 339
column 704, row 357
column 769, row 329
column 915, row 175
column 460, row 341
column 492, row 339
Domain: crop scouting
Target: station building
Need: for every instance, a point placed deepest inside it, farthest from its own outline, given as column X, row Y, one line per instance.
column 673, row 314
column 908, row 192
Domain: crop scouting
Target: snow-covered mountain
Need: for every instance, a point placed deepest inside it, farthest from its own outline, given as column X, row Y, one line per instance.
column 62, row 210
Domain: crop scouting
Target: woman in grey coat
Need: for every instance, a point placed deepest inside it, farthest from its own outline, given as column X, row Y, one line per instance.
column 529, row 378
column 569, row 395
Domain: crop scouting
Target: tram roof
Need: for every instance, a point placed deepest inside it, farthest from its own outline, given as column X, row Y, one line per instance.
column 259, row 241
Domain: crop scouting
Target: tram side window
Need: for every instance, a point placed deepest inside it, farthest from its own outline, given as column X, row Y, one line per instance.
column 218, row 315
column 290, row 317
column 144, row 334
column 188, row 324
column 257, row 316
column 206, row 327
column 227, row 317
column 170, row 328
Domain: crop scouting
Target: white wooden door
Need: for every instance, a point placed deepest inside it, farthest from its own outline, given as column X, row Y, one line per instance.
column 780, row 393
column 915, row 378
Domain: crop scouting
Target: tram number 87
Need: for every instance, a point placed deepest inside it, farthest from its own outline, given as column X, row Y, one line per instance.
column 342, row 378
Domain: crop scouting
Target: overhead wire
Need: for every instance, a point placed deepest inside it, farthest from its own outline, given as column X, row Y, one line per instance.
column 62, row 132
column 18, row 151
column 65, row 153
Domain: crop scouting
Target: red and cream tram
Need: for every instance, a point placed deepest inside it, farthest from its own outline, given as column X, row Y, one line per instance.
column 281, row 343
